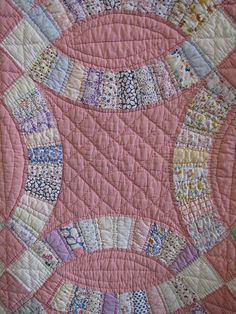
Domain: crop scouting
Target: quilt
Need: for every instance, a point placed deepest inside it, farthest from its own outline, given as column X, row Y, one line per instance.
column 118, row 156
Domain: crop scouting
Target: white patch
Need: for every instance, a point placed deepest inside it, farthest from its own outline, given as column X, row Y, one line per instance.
column 24, row 44
column 30, row 271
column 74, row 82
column 2, row 268
column 232, row 286
column 32, row 218
column 62, row 298
column 171, row 300
column 201, row 278
column 125, row 303
column 124, row 228
column 2, row 311
column 105, row 226
column 216, row 38
column 89, row 229
column 17, row 91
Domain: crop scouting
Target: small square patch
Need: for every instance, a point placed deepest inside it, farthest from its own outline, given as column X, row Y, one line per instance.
column 10, row 247
column 30, row 271
column 11, row 291
column 222, row 257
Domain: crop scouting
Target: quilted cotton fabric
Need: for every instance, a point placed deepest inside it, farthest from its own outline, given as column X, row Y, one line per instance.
column 118, row 156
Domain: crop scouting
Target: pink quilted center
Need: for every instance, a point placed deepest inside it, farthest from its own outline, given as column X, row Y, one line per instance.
column 116, row 163
column 119, row 40
column 114, row 271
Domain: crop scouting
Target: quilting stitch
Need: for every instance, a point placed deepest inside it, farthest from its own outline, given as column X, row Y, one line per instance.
column 120, row 158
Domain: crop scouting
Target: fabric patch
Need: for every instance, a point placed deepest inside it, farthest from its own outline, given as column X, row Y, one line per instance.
column 181, row 68
column 55, row 241
column 125, row 303
column 206, row 231
column 73, row 236
column 140, row 302
column 221, row 37
column 11, row 291
column 92, row 88
column 58, row 74
column 89, row 233
column 42, row 20
column 201, row 278
column 42, row 186
column 171, row 299
column 109, row 91
column 127, row 92
column 42, row 67
column 24, row 232
column 146, row 86
column 24, row 55
column 64, row 294
column 155, row 240
column 10, row 247
column 49, row 258
column 165, row 81
column 31, row 306
column 30, row 271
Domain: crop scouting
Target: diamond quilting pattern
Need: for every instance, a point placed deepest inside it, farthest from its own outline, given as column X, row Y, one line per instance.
column 8, row 19
column 119, row 212
column 216, row 303
column 222, row 257
column 111, row 160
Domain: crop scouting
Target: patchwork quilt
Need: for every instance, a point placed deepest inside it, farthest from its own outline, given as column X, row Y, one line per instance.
column 118, row 156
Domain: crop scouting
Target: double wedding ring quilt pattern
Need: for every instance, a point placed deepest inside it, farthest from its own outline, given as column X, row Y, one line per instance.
column 117, row 150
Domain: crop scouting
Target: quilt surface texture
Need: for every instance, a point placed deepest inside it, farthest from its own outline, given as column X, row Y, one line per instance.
column 118, row 156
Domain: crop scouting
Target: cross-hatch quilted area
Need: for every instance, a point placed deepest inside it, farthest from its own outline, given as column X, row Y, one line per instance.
column 117, row 156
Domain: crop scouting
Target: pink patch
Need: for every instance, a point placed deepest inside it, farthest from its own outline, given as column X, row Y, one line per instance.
column 230, row 8
column 48, row 289
column 220, row 302
column 9, row 71
column 155, row 301
column 223, row 174
column 12, row 163
column 228, row 68
column 11, row 291
column 119, row 40
column 112, row 270
column 116, row 163
column 223, row 257
column 10, row 247
column 140, row 234
column 9, row 19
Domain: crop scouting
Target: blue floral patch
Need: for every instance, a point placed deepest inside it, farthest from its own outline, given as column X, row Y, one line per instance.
column 206, row 231
column 79, row 301
column 73, row 236
column 155, row 241
column 30, row 105
column 47, row 154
